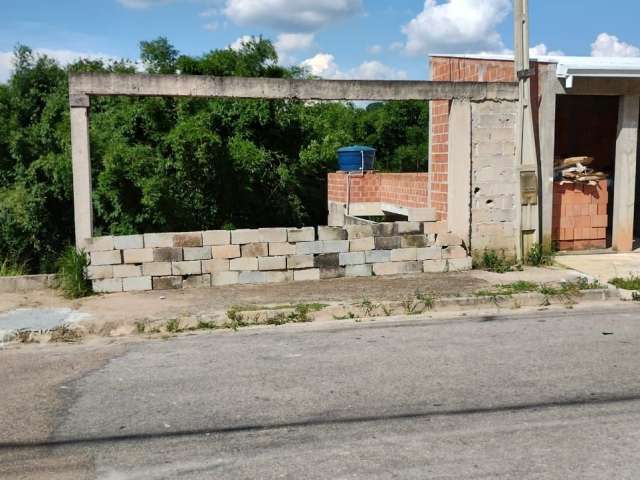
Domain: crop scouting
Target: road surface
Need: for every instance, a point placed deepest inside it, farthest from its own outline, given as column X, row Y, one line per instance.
column 540, row 395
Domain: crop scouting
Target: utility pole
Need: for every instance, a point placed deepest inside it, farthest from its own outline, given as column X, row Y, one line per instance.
column 526, row 156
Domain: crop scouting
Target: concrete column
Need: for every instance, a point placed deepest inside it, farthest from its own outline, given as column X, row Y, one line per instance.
column 625, row 173
column 81, row 162
column 547, row 132
column 459, row 193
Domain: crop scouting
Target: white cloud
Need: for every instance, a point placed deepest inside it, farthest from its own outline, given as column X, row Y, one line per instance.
column 211, row 26
column 375, row 49
column 324, row 65
column 541, row 50
column 396, row 46
column 291, row 15
column 321, row 65
column 459, row 26
column 607, row 45
column 287, row 43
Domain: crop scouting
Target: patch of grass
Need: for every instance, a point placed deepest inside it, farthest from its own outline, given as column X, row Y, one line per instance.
column 631, row 282
column 540, row 256
column 509, row 289
column 348, row 316
column 25, row 336
column 495, row 261
column 141, row 326
column 64, row 334
column 313, row 307
column 386, row 310
column 202, row 325
column 417, row 303
column 173, row 326
column 71, row 278
column 367, row 307
column 10, row 269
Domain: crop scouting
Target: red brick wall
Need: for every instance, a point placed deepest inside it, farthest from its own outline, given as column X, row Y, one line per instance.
column 403, row 189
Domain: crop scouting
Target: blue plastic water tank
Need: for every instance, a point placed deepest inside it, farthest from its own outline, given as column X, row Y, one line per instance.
column 356, row 158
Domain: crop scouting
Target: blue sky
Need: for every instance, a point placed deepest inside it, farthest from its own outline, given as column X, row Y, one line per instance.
column 333, row 38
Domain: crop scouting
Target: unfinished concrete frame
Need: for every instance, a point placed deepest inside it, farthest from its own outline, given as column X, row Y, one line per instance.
column 83, row 86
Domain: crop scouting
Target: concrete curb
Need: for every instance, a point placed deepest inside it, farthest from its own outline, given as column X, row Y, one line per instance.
column 26, row 283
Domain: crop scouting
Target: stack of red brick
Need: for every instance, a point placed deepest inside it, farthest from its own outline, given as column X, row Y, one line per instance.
column 580, row 216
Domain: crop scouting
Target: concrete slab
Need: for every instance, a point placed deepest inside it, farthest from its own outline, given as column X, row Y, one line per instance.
column 604, row 267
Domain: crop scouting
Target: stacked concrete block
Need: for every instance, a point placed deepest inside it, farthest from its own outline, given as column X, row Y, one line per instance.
column 365, row 270
column 272, row 263
column 191, row 267
column 138, row 255
column 197, row 253
column 197, row 281
column 216, row 237
column 306, row 275
column 110, row 257
column 137, row 284
column 306, row 234
column 397, row 268
column 225, row 251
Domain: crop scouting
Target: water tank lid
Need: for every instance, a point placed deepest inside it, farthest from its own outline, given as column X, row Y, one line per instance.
column 356, row 148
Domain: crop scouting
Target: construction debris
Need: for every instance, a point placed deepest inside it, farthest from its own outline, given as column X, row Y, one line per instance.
column 576, row 170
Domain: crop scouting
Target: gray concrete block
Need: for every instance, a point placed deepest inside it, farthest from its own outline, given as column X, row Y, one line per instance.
column 197, row 281
column 415, row 240
column 435, row 227
column 359, row 231
column 435, row 266
column 255, row 250
column 306, row 275
column 295, row 262
column 359, row 270
column 245, row 235
column 97, row 244
column 137, row 284
column 167, row 254
column 422, row 215
column 193, row 267
column 279, row 276
column 108, row 285
column 224, row 278
column 167, row 283
column 156, row 269
column 197, row 253
column 397, row 268
column 332, row 233
column 327, row 260
column 306, row 234
column 407, row 228
column 309, row 248
column 124, row 271
column 387, row 243
column 99, row 272
column 429, row 253
column 460, row 264
column 158, row 240
column 448, row 240
column 252, row 277
column 335, row 272
column 225, row 251
column 282, row 248
column 215, row 265
column 272, row 263
column 110, row 257
column 351, row 258
column 362, row 244
column 377, row 256
column 216, row 237
column 190, row 239
column 128, row 242
column 244, row 263
column 335, row 246
column 384, row 229
column 138, row 255
column 454, row 253
column 273, row 235
column 404, row 254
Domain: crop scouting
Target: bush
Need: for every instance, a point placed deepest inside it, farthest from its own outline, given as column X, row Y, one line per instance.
column 9, row 269
column 494, row 261
column 540, row 256
column 71, row 278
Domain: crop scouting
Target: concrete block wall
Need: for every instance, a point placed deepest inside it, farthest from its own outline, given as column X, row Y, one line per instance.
column 270, row 255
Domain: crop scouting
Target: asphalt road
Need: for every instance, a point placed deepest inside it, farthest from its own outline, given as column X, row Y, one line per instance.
column 544, row 395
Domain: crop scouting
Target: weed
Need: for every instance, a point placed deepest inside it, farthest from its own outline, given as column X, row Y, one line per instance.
column 141, row 327
column 367, row 307
column 236, row 319
column 427, row 300
column 71, row 277
column 64, row 334
column 386, row 310
column 540, row 256
column 631, row 282
column 509, row 289
column 25, row 336
column 202, row 325
column 495, row 261
column 173, row 325
column 348, row 316
column 9, row 269
column 301, row 313
column 635, row 296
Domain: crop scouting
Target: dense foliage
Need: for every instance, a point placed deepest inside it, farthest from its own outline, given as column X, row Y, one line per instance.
column 164, row 164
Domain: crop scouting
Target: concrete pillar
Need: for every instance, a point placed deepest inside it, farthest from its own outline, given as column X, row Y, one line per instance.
column 625, row 173
column 547, row 133
column 81, row 162
column 459, row 190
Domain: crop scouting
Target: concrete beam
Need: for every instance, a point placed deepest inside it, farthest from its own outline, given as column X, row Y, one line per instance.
column 599, row 86
column 81, row 164
column 276, row 88
column 625, row 173
column 459, row 197
column 547, row 137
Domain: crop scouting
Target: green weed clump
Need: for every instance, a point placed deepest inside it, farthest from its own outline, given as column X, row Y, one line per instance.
column 71, row 277
column 540, row 256
column 631, row 282
column 10, row 269
column 495, row 261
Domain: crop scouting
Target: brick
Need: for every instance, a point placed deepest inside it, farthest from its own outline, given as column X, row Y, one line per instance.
column 454, row 252
column 351, row 258
column 272, row 263
column 418, row 241
column 422, row 215
column 193, row 267
column 167, row 283
column 378, row 256
column 225, row 251
column 309, row 248
column 362, row 244
column 274, row 235
column 124, row 271
column 216, row 237
column 306, row 275
column 404, row 254
column 128, row 242
column 255, row 250
column 197, row 253
column 384, row 229
column 300, row 261
column 335, row 246
column 306, row 234
column 109, row 285
column 332, row 233
column 158, row 240
column 215, row 265
column 242, row 236
column 355, row 232
column 600, row 221
column 252, row 277
column 224, row 278
column 448, row 240
column 167, row 254
column 197, row 281
column 335, row 272
column 429, row 253
column 387, row 243
column 396, row 268
column 156, row 269
column 460, row 264
column 284, row 248
column 111, row 257
column 278, row 277
column 244, row 263
column 191, row 239
column 435, row 266
column 97, row 244
column 100, row 272
column 407, row 227
column 327, row 260
column 365, row 270
column 137, row 284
